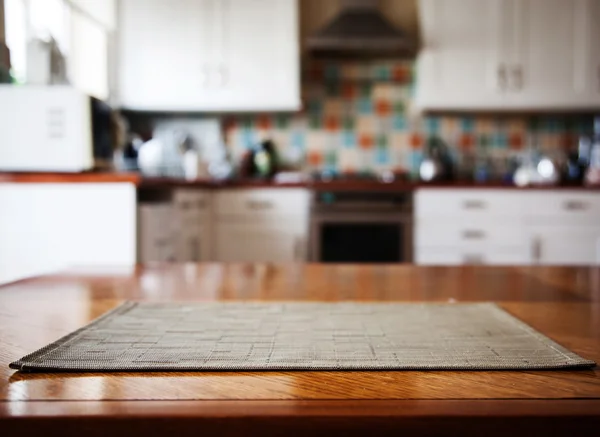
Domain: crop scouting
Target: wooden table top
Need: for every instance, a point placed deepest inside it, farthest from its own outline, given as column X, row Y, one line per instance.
column 561, row 302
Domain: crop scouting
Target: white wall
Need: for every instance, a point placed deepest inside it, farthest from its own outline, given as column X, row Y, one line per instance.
column 48, row 227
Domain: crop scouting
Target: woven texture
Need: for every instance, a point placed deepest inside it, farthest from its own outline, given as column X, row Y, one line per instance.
column 302, row 336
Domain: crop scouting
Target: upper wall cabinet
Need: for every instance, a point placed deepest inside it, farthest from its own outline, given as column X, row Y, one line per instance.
column 509, row 55
column 209, row 55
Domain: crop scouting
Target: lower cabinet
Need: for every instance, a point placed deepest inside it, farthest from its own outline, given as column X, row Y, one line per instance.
column 255, row 242
column 565, row 245
column 261, row 225
column 506, row 227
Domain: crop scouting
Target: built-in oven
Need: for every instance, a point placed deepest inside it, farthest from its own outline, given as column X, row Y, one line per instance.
column 361, row 227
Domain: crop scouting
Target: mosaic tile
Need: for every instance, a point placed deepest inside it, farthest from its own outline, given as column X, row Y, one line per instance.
column 348, row 160
column 383, row 108
column 315, row 159
column 333, row 89
column 333, row 107
column 349, row 123
column 366, row 124
column 466, row 141
column 516, row 140
column 331, row 72
column 348, row 139
column 366, row 90
column 332, row 123
column 382, row 156
column 282, row 121
column 315, row 122
column 349, row 91
column 399, row 123
column 416, row 140
column 399, row 141
column 315, row 140
column 432, row 125
column 382, row 91
column 467, row 124
column 366, row 141
column 399, row 108
column 365, row 106
column 298, row 139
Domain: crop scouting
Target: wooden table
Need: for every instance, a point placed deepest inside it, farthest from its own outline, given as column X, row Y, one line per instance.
column 563, row 303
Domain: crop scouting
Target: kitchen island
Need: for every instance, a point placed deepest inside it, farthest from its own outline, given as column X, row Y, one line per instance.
column 561, row 302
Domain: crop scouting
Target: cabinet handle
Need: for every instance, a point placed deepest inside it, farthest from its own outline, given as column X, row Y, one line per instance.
column 473, row 259
column 575, row 205
column 222, row 75
column 536, row 250
column 259, row 204
column 502, row 77
column 473, row 234
column 473, row 204
column 517, row 77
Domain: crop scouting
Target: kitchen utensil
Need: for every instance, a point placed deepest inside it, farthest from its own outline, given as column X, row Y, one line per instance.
column 437, row 165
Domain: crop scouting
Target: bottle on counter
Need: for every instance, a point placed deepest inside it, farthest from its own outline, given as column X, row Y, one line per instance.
column 592, row 175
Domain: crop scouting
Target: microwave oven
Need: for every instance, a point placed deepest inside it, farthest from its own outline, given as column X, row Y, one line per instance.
column 54, row 129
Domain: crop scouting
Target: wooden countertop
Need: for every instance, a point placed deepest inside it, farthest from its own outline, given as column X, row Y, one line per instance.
column 561, row 302
column 347, row 185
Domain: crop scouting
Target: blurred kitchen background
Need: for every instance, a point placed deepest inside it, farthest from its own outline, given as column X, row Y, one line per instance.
column 426, row 131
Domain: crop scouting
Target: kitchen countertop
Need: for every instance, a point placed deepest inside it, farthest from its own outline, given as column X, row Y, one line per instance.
column 348, row 185
column 561, row 302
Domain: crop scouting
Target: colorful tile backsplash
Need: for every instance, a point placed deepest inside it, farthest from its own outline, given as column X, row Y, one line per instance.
column 360, row 117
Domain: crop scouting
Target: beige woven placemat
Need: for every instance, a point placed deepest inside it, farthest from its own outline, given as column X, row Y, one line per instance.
column 302, row 336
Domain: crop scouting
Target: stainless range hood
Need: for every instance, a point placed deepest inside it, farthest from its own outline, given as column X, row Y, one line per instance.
column 361, row 30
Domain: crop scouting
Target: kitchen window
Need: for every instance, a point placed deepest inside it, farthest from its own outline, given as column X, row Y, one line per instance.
column 82, row 29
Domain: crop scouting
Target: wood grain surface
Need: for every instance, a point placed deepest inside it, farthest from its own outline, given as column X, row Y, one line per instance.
column 399, row 185
column 563, row 303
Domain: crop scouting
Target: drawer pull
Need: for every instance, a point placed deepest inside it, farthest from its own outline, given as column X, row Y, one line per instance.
column 473, row 234
column 575, row 205
column 473, row 259
column 473, row 204
column 259, row 204
column 201, row 204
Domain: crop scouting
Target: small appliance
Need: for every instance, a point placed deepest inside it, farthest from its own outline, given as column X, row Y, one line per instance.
column 53, row 128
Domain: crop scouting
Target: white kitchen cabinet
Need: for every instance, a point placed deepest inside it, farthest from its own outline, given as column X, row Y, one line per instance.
column 209, row 55
column 551, row 62
column 256, row 242
column 459, row 66
column 192, row 225
column 475, row 226
column 565, row 245
column 45, row 227
column 509, row 54
column 469, row 226
column 264, row 225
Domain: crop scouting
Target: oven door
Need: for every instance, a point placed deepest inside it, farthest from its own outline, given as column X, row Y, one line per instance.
column 358, row 237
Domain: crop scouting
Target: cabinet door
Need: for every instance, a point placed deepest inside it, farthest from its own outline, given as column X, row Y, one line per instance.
column 461, row 65
column 565, row 245
column 237, row 242
column 587, row 53
column 552, row 53
column 257, row 61
column 163, row 64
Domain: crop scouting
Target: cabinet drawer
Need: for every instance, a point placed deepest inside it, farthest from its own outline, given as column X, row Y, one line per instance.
column 262, row 201
column 191, row 200
column 468, row 233
column 563, row 208
column 467, row 203
column 516, row 255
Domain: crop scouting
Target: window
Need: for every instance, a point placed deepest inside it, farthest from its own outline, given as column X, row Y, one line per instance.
column 81, row 28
